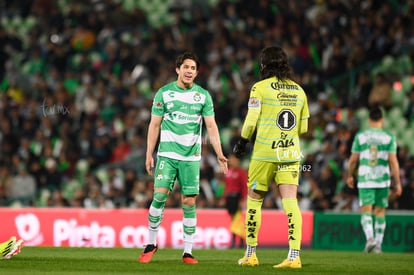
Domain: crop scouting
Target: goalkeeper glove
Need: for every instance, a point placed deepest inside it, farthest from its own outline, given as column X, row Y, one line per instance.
column 239, row 149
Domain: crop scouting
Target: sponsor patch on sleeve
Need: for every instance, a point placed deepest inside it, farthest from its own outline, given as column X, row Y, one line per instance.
column 254, row 102
column 158, row 104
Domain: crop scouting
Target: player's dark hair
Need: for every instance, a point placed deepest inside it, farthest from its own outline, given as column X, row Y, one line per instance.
column 187, row 55
column 375, row 113
column 274, row 62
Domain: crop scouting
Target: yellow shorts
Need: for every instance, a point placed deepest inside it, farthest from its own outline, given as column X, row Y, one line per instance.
column 261, row 173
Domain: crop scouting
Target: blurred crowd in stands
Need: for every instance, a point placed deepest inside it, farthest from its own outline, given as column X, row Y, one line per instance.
column 77, row 81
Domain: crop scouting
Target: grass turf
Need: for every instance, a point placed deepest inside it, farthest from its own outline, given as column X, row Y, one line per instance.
column 53, row 260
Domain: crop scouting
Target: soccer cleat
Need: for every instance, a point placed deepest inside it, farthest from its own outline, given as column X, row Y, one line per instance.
column 296, row 263
column 147, row 254
column 377, row 250
column 249, row 261
column 15, row 249
column 370, row 245
column 189, row 259
column 6, row 247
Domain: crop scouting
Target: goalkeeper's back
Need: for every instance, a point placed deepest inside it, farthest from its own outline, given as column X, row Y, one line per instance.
column 277, row 110
column 283, row 110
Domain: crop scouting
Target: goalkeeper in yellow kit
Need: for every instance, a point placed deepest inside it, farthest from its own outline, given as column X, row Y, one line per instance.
column 278, row 112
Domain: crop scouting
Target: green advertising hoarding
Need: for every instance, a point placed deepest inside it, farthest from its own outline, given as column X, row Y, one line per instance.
column 342, row 231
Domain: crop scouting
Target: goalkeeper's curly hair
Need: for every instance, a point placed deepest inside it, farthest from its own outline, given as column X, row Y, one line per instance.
column 274, row 62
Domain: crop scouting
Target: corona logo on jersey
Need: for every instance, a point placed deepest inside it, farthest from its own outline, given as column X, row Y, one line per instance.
column 283, row 86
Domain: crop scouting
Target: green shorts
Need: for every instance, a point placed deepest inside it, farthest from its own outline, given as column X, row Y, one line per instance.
column 187, row 173
column 261, row 173
column 374, row 196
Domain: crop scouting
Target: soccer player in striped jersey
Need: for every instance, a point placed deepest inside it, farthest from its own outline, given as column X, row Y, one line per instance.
column 278, row 112
column 177, row 113
column 376, row 152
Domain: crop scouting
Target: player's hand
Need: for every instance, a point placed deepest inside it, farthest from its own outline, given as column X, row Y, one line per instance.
column 398, row 190
column 350, row 182
column 239, row 149
column 223, row 164
column 149, row 165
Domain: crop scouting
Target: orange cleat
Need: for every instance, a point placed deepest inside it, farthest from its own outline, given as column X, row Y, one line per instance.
column 189, row 259
column 147, row 254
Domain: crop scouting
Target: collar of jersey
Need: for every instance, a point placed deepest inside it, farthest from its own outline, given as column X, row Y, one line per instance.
column 181, row 89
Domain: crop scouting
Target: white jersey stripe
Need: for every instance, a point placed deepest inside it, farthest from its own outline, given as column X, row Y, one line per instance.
column 187, row 97
column 174, row 155
column 368, row 136
column 374, row 184
column 380, row 154
column 378, row 170
column 186, row 140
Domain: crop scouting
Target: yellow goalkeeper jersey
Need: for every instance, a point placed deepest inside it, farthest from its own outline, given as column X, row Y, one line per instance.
column 278, row 111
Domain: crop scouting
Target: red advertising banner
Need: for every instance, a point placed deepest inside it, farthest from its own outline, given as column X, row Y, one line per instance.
column 77, row 227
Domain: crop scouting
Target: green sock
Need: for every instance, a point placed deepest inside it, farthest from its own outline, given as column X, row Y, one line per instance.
column 366, row 223
column 155, row 215
column 379, row 227
column 189, row 227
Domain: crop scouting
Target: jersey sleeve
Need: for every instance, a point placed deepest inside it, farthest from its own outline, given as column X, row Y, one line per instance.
column 393, row 144
column 208, row 108
column 305, row 109
column 253, row 113
column 158, row 105
column 356, row 148
column 304, row 116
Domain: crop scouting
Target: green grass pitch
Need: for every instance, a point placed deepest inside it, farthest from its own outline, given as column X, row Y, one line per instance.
column 53, row 260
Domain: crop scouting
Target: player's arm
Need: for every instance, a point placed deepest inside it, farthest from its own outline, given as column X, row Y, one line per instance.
column 214, row 136
column 249, row 125
column 304, row 117
column 303, row 126
column 152, row 138
column 352, row 164
column 250, row 122
column 395, row 172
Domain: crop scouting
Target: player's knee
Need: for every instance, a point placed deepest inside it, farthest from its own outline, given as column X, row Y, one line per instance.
column 256, row 194
column 379, row 211
column 160, row 197
column 188, row 200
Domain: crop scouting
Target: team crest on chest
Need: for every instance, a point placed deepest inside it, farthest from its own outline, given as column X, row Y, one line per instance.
column 197, row 97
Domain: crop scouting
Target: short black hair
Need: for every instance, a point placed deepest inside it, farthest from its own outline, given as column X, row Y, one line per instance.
column 187, row 55
column 375, row 113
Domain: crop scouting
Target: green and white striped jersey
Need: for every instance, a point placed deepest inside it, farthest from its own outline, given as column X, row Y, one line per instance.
column 182, row 111
column 374, row 146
